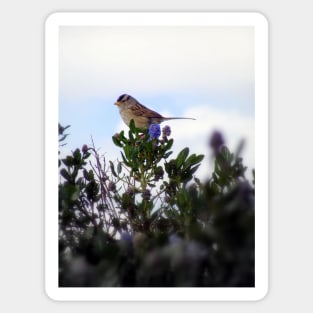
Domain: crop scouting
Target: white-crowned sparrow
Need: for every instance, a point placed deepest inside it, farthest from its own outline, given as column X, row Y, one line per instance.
column 131, row 109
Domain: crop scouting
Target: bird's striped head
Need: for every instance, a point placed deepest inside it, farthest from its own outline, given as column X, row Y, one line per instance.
column 122, row 98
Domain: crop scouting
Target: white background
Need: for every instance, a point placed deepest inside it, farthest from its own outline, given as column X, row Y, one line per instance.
column 22, row 133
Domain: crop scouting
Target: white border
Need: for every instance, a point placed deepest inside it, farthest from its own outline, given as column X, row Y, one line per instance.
column 52, row 25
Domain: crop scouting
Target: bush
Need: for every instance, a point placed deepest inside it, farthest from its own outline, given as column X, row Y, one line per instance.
column 148, row 221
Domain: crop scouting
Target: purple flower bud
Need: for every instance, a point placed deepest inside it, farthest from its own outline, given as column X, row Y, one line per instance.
column 154, row 131
column 216, row 141
column 146, row 195
column 167, row 199
column 112, row 186
column 166, row 131
column 130, row 191
column 85, row 149
column 116, row 135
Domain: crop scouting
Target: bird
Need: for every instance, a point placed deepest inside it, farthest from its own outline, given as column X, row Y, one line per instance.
column 132, row 109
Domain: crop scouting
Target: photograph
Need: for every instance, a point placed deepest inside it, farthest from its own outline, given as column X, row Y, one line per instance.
column 162, row 127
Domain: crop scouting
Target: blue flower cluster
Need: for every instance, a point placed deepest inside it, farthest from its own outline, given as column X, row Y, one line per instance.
column 154, row 131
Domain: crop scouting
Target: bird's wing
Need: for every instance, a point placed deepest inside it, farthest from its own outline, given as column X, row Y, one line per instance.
column 141, row 110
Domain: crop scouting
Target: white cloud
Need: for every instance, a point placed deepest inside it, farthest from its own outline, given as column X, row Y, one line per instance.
column 143, row 60
column 195, row 134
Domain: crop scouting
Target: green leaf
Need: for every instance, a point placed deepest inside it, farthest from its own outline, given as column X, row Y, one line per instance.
column 117, row 142
column 124, row 159
column 169, row 144
column 68, row 161
column 77, row 156
column 167, row 154
column 194, row 169
column 132, row 126
column 226, row 154
column 61, row 132
column 192, row 160
column 63, row 137
column 127, row 151
column 215, row 187
column 182, row 157
column 182, row 199
column 215, row 177
column 119, row 167
column 86, row 155
column 127, row 202
column 197, row 181
column 85, row 173
column 92, row 190
column 69, row 192
column 131, row 136
column 65, row 174
column 134, row 154
column 199, row 158
column 62, row 129
column 88, row 175
column 186, row 177
column 75, row 194
column 112, row 168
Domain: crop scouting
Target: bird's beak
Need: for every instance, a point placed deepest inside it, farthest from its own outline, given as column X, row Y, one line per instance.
column 117, row 103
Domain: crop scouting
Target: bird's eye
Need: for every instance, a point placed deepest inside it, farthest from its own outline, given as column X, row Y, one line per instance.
column 123, row 98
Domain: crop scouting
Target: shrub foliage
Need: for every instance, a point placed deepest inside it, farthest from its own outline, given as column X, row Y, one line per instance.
column 146, row 220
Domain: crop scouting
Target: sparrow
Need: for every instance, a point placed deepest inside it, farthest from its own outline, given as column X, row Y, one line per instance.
column 132, row 109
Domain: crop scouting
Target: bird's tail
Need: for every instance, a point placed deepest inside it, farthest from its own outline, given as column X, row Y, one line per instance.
column 178, row 118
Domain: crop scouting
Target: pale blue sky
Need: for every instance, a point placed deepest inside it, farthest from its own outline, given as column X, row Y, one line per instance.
column 201, row 72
